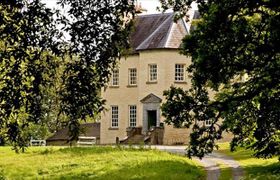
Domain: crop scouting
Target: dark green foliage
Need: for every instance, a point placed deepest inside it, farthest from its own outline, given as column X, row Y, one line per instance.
column 235, row 54
column 99, row 33
column 27, row 36
column 47, row 82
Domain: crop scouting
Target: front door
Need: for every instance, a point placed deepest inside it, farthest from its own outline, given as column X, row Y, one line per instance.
column 152, row 118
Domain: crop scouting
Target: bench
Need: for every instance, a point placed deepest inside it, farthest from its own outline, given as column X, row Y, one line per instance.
column 38, row 142
column 86, row 141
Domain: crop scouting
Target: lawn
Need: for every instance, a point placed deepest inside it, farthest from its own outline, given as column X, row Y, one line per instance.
column 255, row 168
column 95, row 163
column 225, row 172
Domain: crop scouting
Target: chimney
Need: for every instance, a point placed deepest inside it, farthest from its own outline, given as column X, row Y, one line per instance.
column 138, row 8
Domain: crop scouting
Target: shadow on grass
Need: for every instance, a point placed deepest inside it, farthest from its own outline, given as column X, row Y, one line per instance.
column 271, row 171
column 100, row 150
column 165, row 169
column 239, row 154
column 75, row 150
column 2, row 177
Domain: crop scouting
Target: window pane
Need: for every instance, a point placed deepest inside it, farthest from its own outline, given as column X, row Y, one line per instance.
column 152, row 72
column 115, row 116
column 115, row 77
column 132, row 76
column 132, row 116
column 208, row 122
column 179, row 72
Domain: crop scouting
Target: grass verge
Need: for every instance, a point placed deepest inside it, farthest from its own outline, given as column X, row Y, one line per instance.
column 225, row 172
column 95, row 163
column 255, row 168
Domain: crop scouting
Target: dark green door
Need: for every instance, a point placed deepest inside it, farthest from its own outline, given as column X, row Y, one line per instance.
column 152, row 119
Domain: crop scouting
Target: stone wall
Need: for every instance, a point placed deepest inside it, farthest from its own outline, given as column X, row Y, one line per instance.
column 175, row 136
column 125, row 95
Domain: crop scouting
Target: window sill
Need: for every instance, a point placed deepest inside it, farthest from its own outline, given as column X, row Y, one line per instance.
column 113, row 128
column 180, row 82
column 151, row 82
column 114, row 86
column 131, row 86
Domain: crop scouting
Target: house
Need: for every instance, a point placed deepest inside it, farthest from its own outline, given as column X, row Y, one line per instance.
column 61, row 137
column 135, row 92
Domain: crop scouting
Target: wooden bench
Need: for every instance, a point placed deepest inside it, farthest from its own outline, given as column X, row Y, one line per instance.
column 38, row 142
column 86, row 141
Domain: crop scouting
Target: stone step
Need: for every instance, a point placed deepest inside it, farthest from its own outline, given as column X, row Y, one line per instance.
column 136, row 139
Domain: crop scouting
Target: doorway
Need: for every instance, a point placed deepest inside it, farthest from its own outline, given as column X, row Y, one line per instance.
column 152, row 118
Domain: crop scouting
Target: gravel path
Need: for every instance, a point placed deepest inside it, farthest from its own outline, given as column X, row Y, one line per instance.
column 210, row 162
column 237, row 171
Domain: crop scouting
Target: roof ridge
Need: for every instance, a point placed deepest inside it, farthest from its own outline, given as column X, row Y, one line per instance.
column 168, row 35
column 156, row 14
column 185, row 25
column 172, row 27
column 151, row 35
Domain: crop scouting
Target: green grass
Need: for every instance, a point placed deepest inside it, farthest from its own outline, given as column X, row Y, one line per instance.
column 225, row 172
column 255, row 168
column 95, row 163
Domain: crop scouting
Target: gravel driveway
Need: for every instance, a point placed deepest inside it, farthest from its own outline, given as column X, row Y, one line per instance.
column 210, row 162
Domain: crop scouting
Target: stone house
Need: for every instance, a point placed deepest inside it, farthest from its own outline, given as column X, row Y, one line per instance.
column 135, row 92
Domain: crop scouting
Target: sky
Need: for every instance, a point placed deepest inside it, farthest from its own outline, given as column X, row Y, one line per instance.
column 150, row 5
column 50, row 3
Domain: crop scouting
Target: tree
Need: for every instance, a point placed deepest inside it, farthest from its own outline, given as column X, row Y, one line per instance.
column 28, row 46
column 99, row 34
column 34, row 86
column 235, row 55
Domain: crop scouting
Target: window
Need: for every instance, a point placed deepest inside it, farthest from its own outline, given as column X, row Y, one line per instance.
column 208, row 122
column 115, row 77
column 179, row 72
column 132, row 116
column 115, row 116
column 152, row 72
column 132, row 76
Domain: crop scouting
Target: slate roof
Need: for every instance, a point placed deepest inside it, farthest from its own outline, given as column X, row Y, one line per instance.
column 88, row 129
column 157, row 31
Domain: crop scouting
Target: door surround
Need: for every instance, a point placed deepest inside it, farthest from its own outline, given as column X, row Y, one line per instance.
column 150, row 103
